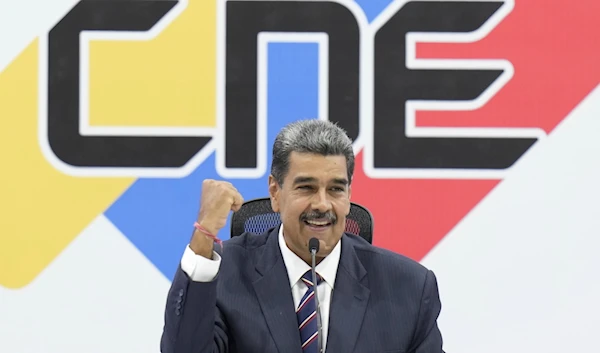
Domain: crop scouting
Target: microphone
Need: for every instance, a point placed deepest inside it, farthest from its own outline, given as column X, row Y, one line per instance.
column 313, row 247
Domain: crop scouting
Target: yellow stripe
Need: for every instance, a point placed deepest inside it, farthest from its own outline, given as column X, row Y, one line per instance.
column 41, row 210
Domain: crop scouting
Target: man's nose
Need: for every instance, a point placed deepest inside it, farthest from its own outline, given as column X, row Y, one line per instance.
column 321, row 201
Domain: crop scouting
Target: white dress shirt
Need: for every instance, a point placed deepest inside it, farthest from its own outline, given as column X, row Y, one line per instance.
column 201, row 269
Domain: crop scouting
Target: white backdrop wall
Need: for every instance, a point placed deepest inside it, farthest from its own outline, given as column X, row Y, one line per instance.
column 87, row 252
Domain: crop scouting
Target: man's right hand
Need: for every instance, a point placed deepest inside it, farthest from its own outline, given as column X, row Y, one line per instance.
column 217, row 200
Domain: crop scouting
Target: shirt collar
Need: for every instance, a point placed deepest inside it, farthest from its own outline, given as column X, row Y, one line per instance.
column 296, row 267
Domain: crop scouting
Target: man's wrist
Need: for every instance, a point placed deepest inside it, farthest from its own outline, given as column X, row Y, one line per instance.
column 209, row 227
column 201, row 244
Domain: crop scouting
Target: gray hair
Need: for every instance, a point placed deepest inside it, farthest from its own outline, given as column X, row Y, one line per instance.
column 310, row 136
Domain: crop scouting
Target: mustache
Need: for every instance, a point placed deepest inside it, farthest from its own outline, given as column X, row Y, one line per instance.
column 313, row 215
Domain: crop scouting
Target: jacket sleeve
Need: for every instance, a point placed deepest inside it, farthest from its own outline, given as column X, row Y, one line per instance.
column 428, row 338
column 193, row 321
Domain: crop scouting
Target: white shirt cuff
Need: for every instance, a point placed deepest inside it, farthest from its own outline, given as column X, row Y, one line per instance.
column 199, row 268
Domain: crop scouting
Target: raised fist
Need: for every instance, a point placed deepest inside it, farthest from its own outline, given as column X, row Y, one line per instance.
column 217, row 200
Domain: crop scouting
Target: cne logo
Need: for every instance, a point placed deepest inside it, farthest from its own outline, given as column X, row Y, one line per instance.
column 153, row 89
column 370, row 82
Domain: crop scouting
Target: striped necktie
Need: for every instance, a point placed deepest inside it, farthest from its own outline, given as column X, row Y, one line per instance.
column 307, row 316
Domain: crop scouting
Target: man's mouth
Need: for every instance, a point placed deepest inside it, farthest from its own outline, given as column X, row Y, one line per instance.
column 317, row 223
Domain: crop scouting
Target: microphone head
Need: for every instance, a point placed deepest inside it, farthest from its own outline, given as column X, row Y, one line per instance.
column 313, row 244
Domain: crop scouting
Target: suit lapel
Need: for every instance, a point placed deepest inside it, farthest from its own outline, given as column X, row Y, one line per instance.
column 349, row 301
column 275, row 296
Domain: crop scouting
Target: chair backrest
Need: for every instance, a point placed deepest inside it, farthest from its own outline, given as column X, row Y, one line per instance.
column 256, row 216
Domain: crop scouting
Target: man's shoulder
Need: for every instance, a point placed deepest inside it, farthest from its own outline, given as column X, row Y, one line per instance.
column 376, row 258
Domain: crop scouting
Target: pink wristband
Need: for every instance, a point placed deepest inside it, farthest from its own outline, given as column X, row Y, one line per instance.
column 208, row 234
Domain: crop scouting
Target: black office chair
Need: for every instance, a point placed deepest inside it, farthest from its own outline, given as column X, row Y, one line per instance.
column 256, row 216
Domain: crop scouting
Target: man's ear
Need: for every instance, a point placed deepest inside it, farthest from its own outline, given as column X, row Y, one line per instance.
column 349, row 199
column 274, row 190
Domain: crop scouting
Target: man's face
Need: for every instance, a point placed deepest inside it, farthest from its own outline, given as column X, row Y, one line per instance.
column 313, row 201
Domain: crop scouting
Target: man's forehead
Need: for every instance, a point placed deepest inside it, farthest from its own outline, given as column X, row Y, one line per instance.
column 316, row 161
column 307, row 167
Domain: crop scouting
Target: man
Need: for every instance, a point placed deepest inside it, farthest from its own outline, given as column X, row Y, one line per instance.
column 257, row 295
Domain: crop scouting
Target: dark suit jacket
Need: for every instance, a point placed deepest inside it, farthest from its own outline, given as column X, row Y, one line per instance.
column 382, row 302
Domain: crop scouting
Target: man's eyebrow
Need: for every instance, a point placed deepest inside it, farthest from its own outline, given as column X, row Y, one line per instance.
column 300, row 180
column 341, row 181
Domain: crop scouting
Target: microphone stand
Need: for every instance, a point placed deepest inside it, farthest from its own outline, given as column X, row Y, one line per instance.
column 314, row 247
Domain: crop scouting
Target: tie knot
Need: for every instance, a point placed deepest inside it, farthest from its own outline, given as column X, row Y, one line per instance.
column 308, row 280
